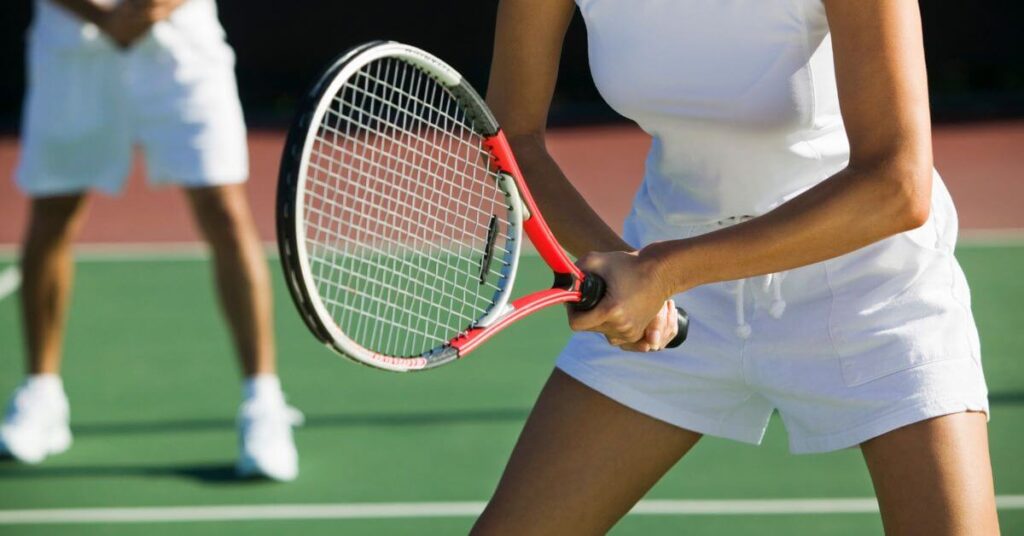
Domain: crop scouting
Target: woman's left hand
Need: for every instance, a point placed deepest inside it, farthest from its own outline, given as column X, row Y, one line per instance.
column 636, row 313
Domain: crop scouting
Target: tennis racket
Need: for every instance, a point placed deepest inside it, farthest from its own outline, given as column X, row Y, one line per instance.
column 401, row 213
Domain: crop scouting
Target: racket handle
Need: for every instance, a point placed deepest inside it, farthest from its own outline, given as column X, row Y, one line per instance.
column 592, row 290
column 682, row 328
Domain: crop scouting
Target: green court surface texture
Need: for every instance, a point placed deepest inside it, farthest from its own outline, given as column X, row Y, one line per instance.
column 154, row 390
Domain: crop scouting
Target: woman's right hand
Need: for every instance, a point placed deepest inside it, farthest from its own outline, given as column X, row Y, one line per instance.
column 637, row 313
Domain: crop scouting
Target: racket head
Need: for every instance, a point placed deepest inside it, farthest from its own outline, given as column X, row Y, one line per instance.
column 396, row 234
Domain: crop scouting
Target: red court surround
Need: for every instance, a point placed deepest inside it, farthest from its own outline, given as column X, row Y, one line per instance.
column 983, row 165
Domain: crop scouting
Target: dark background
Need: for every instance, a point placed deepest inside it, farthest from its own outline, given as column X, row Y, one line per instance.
column 975, row 52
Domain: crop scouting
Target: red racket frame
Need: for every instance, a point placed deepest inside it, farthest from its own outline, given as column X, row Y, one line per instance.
column 566, row 272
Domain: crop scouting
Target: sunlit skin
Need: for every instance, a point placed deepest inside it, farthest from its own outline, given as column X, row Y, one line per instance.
column 933, row 477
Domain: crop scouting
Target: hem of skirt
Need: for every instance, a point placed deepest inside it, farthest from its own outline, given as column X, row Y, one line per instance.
column 51, row 186
column 657, row 409
column 198, row 181
column 886, row 423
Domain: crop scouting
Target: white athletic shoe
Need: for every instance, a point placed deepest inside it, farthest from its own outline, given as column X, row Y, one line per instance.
column 36, row 423
column 265, row 444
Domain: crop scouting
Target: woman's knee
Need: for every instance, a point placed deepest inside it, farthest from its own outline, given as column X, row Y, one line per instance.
column 221, row 211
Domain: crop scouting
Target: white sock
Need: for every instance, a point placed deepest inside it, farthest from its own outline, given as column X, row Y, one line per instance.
column 47, row 383
column 262, row 386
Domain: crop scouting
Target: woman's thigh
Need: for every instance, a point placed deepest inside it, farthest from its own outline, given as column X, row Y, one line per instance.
column 581, row 462
column 934, row 477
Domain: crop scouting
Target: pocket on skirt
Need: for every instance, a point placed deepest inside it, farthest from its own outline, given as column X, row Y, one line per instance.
column 895, row 307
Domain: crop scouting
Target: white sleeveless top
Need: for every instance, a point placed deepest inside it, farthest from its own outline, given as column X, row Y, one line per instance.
column 739, row 96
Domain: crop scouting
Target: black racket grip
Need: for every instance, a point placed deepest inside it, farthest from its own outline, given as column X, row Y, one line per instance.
column 592, row 290
column 682, row 328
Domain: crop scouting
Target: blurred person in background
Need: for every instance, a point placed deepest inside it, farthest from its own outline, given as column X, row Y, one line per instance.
column 102, row 76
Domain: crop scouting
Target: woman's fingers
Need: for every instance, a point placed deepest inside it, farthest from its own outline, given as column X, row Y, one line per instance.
column 609, row 318
column 670, row 325
column 632, row 309
column 659, row 332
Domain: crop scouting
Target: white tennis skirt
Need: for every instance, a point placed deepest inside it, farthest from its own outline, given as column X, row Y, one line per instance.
column 88, row 103
column 845, row 350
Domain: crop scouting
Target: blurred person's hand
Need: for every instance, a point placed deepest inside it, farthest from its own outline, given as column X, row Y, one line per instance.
column 125, row 23
column 158, row 10
column 128, row 21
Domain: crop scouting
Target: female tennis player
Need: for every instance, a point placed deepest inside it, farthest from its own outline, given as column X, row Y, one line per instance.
column 790, row 205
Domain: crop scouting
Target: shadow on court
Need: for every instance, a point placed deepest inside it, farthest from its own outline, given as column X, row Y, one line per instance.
column 1015, row 398
column 214, row 473
column 224, row 473
column 312, row 421
column 494, row 415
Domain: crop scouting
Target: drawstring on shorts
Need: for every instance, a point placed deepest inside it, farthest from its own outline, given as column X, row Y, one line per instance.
column 770, row 284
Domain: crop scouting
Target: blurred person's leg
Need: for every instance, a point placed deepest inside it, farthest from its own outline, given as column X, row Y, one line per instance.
column 74, row 139
column 190, row 126
column 48, row 269
column 36, row 419
column 243, row 282
column 188, row 119
column 240, row 269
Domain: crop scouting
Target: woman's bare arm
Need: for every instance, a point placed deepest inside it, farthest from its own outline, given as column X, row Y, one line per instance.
column 527, row 49
column 885, row 190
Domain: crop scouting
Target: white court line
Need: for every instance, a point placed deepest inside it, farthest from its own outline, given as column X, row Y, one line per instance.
column 10, row 280
column 137, row 252
column 991, row 237
column 434, row 509
column 197, row 251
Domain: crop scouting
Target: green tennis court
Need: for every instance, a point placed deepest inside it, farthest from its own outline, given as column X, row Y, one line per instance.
column 150, row 374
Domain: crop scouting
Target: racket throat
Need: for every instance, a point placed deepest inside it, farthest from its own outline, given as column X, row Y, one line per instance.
column 516, row 214
column 565, row 282
column 591, row 288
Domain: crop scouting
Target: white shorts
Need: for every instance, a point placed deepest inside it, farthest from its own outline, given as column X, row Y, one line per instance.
column 868, row 342
column 88, row 103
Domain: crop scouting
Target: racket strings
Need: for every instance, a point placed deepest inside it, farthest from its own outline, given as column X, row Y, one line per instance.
column 372, row 251
column 384, row 168
column 377, row 251
column 415, row 209
column 440, row 114
column 400, row 198
column 411, row 146
column 479, row 163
